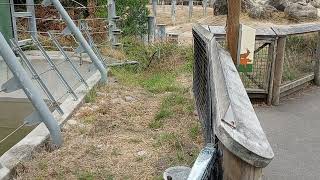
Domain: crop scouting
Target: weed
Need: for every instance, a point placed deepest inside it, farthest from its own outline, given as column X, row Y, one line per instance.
column 91, row 95
column 115, row 152
column 43, row 165
column 171, row 140
column 89, row 119
column 160, row 82
column 194, row 131
column 86, row 175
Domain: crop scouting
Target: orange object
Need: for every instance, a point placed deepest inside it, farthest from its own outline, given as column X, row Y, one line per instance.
column 244, row 60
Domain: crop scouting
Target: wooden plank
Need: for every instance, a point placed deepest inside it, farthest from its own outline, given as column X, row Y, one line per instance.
column 296, row 29
column 233, row 25
column 260, row 31
column 281, row 43
column 294, row 84
column 272, row 57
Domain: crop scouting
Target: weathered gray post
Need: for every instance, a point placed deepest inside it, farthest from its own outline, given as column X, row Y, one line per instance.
column 190, row 9
column 154, row 7
column 32, row 19
column 111, row 15
column 151, row 28
column 205, row 4
column 317, row 64
column 278, row 71
column 23, row 79
column 162, row 31
column 75, row 30
column 173, row 11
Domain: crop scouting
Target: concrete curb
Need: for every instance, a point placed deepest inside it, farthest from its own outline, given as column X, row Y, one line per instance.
column 23, row 149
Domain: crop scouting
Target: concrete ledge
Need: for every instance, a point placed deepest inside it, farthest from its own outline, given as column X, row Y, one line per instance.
column 23, row 149
column 4, row 173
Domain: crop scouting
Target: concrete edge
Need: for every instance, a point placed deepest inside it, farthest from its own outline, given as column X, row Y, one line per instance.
column 24, row 148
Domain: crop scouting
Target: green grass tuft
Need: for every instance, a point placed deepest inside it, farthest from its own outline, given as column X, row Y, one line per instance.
column 91, row 96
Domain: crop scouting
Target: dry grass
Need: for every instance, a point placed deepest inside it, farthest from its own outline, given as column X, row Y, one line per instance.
column 112, row 136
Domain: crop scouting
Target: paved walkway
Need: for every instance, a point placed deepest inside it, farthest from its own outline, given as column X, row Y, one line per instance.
column 293, row 130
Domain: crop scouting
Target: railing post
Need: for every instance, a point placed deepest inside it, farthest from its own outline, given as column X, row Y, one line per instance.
column 317, row 63
column 278, row 71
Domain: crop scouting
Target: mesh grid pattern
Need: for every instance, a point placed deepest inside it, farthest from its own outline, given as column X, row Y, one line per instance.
column 201, row 85
column 300, row 55
column 259, row 77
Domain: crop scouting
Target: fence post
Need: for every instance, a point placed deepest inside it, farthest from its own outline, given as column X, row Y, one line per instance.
column 236, row 169
column 173, row 11
column 154, row 7
column 190, row 9
column 32, row 20
column 278, row 71
column 317, row 64
column 151, row 28
column 272, row 57
column 162, row 32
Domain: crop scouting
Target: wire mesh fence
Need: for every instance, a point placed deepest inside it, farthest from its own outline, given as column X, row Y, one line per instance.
column 300, row 56
column 259, row 77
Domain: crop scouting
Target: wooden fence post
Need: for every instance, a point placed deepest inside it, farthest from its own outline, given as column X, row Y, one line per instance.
column 317, row 64
column 233, row 25
column 236, row 169
column 278, row 71
column 272, row 57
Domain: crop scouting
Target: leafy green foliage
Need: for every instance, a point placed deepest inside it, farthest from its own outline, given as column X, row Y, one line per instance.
column 133, row 15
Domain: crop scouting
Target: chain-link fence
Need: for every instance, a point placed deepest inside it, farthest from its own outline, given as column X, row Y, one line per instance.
column 299, row 57
column 259, row 77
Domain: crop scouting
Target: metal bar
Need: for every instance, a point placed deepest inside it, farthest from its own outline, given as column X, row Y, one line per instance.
column 33, row 94
column 14, row 21
column 190, row 9
column 66, row 57
column 261, row 47
column 54, row 67
column 154, row 7
column 32, row 19
column 151, row 28
column 75, row 30
column 36, row 76
column 93, row 45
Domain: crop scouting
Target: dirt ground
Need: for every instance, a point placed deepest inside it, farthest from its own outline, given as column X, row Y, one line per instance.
column 183, row 25
column 111, row 139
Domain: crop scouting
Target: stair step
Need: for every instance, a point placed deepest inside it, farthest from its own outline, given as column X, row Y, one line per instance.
column 22, row 14
column 24, row 42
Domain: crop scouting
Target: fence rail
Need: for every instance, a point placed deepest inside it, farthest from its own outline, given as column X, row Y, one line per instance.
column 225, row 110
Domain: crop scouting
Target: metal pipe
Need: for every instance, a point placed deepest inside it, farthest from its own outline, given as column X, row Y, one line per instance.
column 75, row 30
column 32, row 93
column 173, row 11
column 151, row 28
column 190, row 9
column 32, row 19
column 154, row 7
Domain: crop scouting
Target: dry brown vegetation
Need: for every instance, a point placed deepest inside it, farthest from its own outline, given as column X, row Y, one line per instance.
column 138, row 125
